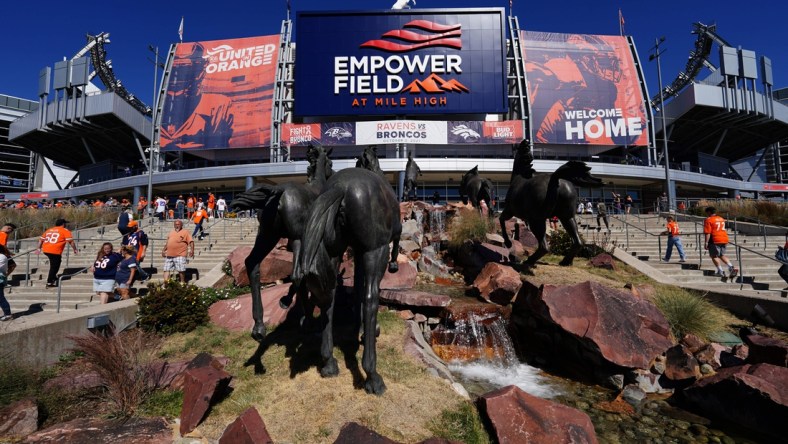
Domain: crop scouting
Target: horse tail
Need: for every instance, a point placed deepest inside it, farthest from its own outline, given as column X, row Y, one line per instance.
column 257, row 197
column 578, row 173
column 315, row 260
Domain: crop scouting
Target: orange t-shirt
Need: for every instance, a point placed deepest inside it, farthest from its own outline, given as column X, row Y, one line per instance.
column 55, row 239
column 211, row 201
column 190, row 203
column 673, row 228
column 199, row 215
column 715, row 225
column 177, row 243
column 3, row 238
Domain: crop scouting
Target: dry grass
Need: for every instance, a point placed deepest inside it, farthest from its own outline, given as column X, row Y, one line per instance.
column 772, row 213
column 299, row 406
column 32, row 222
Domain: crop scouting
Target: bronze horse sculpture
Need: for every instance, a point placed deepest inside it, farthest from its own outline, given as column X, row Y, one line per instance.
column 283, row 210
column 369, row 160
column 356, row 209
column 412, row 172
column 537, row 197
column 475, row 188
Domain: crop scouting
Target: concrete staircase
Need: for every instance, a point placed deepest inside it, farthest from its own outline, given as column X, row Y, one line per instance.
column 636, row 235
column 28, row 288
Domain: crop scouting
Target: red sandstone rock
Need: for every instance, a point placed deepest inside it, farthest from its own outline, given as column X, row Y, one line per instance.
column 277, row 265
column 764, row 349
column 603, row 260
column 642, row 291
column 354, row 433
column 236, row 314
column 405, row 314
column 76, row 377
column 19, row 419
column 498, row 283
column 590, row 325
column 754, row 396
column 692, row 342
column 248, row 428
column 518, row 417
column 403, row 279
column 200, row 387
column 414, row 298
column 680, row 365
column 710, row 354
column 172, row 375
column 83, row 430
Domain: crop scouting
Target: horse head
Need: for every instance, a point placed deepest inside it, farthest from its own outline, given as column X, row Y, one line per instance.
column 369, row 159
column 318, row 159
column 524, row 160
column 473, row 172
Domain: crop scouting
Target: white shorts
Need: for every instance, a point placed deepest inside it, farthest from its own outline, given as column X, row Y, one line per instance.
column 176, row 263
column 103, row 285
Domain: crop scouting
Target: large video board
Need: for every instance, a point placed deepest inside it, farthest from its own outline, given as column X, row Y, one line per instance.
column 220, row 94
column 583, row 89
column 397, row 62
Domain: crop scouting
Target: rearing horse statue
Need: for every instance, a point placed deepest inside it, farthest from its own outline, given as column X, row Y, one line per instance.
column 476, row 188
column 283, row 212
column 369, row 160
column 537, row 197
column 412, row 172
column 357, row 209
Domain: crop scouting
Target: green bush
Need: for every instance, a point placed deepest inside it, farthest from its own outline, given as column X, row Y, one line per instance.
column 468, row 225
column 173, row 307
column 688, row 313
column 560, row 242
column 211, row 295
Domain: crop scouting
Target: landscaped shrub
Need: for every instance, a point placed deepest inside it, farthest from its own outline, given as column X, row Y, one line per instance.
column 211, row 295
column 688, row 313
column 559, row 242
column 172, row 307
column 123, row 362
column 468, row 225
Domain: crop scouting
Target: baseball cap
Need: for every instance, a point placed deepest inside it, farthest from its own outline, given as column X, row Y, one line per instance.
column 132, row 223
column 60, row 222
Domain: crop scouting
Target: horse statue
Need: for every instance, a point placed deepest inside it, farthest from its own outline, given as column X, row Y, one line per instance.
column 476, row 189
column 283, row 212
column 357, row 209
column 412, row 172
column 538, row 197
column 369, row 160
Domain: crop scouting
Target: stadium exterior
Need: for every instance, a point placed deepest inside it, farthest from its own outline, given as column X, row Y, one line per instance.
column 456, row 88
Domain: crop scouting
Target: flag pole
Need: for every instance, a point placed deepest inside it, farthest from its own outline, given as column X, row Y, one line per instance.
column 180, row 31
column 620, row 23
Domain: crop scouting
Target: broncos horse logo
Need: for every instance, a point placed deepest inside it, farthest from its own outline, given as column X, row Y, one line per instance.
column 466, row 133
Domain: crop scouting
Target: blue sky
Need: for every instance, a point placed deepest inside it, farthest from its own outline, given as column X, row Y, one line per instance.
column 40, row 33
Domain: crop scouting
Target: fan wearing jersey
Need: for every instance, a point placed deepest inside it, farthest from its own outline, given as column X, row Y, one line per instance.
column 716, row 241
column 52, row 243
column 104, row 271
column 138, row 240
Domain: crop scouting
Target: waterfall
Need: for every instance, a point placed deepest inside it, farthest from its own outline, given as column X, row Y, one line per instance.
column 437, row 227
column 480, row 352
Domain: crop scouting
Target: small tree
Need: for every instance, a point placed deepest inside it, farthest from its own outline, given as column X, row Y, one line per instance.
column 173, row 307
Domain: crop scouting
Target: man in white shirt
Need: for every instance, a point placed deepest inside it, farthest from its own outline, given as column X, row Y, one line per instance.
column 161, row 208
column 221, row 206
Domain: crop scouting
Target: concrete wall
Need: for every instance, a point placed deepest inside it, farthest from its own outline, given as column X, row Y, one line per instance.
column 40, row 340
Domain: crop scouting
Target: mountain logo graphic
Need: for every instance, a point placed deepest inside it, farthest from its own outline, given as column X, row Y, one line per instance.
column 434, row 84
column 430, row 35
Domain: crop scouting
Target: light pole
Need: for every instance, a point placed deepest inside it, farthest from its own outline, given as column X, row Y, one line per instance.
column 657, row 53
column 148, row 208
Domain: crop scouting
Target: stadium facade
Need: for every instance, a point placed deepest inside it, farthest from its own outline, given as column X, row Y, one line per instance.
column 454, row 87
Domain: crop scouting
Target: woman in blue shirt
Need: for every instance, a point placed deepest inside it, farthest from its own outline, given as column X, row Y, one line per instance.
column 127, row 269
column 104, row 271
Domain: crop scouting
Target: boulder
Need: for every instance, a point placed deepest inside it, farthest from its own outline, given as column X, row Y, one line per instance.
column 417, row 347
column 498, row 283
column 753, row 396
column 201, row 386
column 764, row 349
column 474, row 256
column 403, row 279
column 248, row 428
column 19, row 419
column 405, row 314
column 236, row 314
column 413, row 298
column 412, row 230
column 172, row 375
column 680, row 364
column 75, row 378
column 519, row 232
column 692, row 342
column 736, row 357
column 277, row 265
column 82, row 430
column 429, row 263
column 408, row 246
column 603, row 260
column 355, row 433
column 710, row 354
column 642, row 291
column 589, row 325
column 517, row 417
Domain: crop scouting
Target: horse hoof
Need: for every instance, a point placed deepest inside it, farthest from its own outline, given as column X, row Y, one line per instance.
column 508, row 244
column 330, row 369
column 374, row 385
column 393, row 267
column 258, row 333
column 285, row 301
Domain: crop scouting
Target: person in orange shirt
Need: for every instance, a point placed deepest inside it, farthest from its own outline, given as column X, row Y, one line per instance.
column 211, row 204
column 141, row 205
column 179, row 246
column 199, row 216
column 4, row 232
column 20, row 205
column 190, row 206
column 52, row 243
column 716, row 241
column 98, row 203
column 672, row 230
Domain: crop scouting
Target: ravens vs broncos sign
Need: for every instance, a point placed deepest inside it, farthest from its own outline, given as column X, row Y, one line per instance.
column 421, row 61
